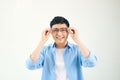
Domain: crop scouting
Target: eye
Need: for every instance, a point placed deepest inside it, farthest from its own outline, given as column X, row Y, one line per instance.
column 55, row 30
column 63, row 29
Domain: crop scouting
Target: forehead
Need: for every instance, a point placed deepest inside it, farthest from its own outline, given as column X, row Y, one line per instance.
column 59, row 26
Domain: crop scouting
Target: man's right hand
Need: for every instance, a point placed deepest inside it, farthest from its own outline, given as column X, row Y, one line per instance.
column 45, row 34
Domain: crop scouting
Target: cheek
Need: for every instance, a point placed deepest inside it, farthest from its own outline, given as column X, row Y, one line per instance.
column 66, row 34
column 53, row 35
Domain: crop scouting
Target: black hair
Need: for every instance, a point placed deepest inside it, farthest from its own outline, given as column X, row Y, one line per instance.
column 59, row 20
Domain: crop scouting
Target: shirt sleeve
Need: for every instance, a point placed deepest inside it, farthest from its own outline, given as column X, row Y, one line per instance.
column 90, row 61
column 37, row 64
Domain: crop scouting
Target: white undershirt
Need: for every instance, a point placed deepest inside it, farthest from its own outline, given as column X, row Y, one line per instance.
column 60, row 66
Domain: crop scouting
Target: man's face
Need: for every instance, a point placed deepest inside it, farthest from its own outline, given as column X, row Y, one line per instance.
column 60, row 33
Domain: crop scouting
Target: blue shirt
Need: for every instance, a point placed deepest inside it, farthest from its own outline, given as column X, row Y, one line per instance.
column 73, row 59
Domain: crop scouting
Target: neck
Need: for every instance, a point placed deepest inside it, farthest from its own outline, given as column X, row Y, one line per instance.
column 61, row 45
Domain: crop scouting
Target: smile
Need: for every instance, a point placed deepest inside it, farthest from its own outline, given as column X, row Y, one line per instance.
column 60, row 38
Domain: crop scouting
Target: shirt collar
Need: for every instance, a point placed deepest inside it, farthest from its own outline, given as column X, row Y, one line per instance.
column 69, row 45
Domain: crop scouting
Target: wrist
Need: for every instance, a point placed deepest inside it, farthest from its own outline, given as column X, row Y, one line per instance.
column 77, row 40
column 42, row 42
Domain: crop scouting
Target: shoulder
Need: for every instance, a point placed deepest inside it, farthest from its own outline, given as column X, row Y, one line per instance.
column 47, row 49
column 72, row 45
column 48, row 46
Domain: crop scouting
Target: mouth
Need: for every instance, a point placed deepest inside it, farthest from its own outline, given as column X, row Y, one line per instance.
column 60, row 38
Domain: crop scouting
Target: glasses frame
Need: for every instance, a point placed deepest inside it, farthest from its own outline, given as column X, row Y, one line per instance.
column 56, row 30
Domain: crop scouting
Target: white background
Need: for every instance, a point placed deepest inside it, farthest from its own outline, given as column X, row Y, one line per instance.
column 21, row 22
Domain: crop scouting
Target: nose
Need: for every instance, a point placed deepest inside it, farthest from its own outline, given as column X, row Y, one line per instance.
column 59, row 33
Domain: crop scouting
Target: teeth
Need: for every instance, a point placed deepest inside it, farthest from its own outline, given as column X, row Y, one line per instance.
column 60, row 37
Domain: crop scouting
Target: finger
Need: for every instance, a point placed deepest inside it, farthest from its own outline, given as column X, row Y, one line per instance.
column 47, row 32
column 74, row 30
column 68, row 29
column 71, row 30
column 44, row 32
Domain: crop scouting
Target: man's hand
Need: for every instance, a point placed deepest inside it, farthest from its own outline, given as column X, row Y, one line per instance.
column 74, row 33
column 45, row 34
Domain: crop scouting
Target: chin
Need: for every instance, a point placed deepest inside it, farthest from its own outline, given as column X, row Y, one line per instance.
column 60, row 42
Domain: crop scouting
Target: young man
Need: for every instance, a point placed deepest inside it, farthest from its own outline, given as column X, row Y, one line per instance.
column 61, row 60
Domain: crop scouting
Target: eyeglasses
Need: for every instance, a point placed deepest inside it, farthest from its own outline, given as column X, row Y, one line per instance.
column 55, row 30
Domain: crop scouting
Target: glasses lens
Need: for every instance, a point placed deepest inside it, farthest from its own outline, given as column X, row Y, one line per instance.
column 61, row 30
column 55, row 30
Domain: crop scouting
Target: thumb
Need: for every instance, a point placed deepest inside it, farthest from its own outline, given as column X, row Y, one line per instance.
column 71, row 32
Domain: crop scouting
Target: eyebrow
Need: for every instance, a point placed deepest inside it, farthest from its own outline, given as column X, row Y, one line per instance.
column 59, row 28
